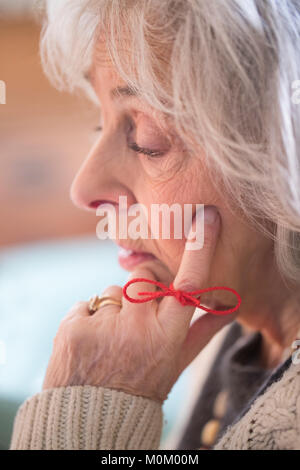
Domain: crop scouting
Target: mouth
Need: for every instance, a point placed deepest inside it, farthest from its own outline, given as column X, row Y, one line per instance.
column 129, row 258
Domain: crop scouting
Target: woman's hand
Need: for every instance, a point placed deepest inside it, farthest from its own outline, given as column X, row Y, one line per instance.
column 140, row 348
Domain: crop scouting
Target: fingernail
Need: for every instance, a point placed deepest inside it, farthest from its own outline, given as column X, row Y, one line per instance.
column 210, row 214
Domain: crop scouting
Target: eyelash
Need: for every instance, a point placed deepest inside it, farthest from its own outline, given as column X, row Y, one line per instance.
column 150, row 153
column 136, row 148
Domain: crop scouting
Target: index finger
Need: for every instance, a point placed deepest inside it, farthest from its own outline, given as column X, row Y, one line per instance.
column 192, row 273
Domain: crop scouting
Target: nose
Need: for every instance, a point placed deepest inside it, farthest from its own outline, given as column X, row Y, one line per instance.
column 101, row 176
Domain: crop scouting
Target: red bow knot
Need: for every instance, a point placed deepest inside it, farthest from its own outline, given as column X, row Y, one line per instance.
column 185, row 298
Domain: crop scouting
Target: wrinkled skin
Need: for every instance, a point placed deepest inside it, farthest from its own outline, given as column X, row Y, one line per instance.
column 140, row 348
column 143, row 348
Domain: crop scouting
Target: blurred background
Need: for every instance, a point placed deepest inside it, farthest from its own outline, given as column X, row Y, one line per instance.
column 49, row 254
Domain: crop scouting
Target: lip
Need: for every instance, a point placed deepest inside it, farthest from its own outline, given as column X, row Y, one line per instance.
column 129, row 258
column 126, row 246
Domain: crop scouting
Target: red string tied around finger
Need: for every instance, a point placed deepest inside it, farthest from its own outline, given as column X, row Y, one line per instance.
column 185, row 298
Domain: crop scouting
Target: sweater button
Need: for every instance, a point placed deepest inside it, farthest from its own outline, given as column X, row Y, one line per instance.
column 210, row 432
column 220, row 404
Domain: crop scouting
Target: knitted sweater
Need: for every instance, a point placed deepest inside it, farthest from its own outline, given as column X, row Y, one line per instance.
column 89, row 417
column 239, row 376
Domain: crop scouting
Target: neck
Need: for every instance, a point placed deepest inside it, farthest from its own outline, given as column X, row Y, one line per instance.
column 277, row 316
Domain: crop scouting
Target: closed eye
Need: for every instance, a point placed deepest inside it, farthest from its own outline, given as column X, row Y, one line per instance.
column 150, row 153
column 136, row 148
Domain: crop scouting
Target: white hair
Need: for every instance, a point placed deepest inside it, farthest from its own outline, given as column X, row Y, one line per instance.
column 223, row 71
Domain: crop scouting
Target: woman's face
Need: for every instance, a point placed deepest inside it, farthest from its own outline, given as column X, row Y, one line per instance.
column 113, row 169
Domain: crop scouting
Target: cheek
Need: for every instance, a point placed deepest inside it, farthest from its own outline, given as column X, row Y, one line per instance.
column 182, row 186
column 170, row 251
column 160, row 170
column 190, row 185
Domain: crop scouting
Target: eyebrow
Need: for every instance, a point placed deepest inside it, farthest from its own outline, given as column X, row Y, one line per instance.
column 124, row 91
column 115, row 93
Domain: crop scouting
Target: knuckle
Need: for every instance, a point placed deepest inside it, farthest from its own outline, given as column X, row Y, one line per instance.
column 75, row 309
column 141, row 272
column 209, row 238
column 186, row 283
column 112, row 288
column 79, row 305
column 115, row 287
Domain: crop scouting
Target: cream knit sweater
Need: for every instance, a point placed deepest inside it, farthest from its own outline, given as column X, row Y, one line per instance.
column 88, row 417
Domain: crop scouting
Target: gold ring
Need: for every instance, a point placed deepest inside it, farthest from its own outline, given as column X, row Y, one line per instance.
column 96, row 302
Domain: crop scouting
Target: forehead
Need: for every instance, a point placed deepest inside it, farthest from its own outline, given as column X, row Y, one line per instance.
column 107, row 82
column 101, row 58
column 104, row 77
column 102, row 64
column 100, row 53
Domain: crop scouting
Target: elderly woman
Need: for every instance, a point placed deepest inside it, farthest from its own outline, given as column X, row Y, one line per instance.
column 199, row 105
